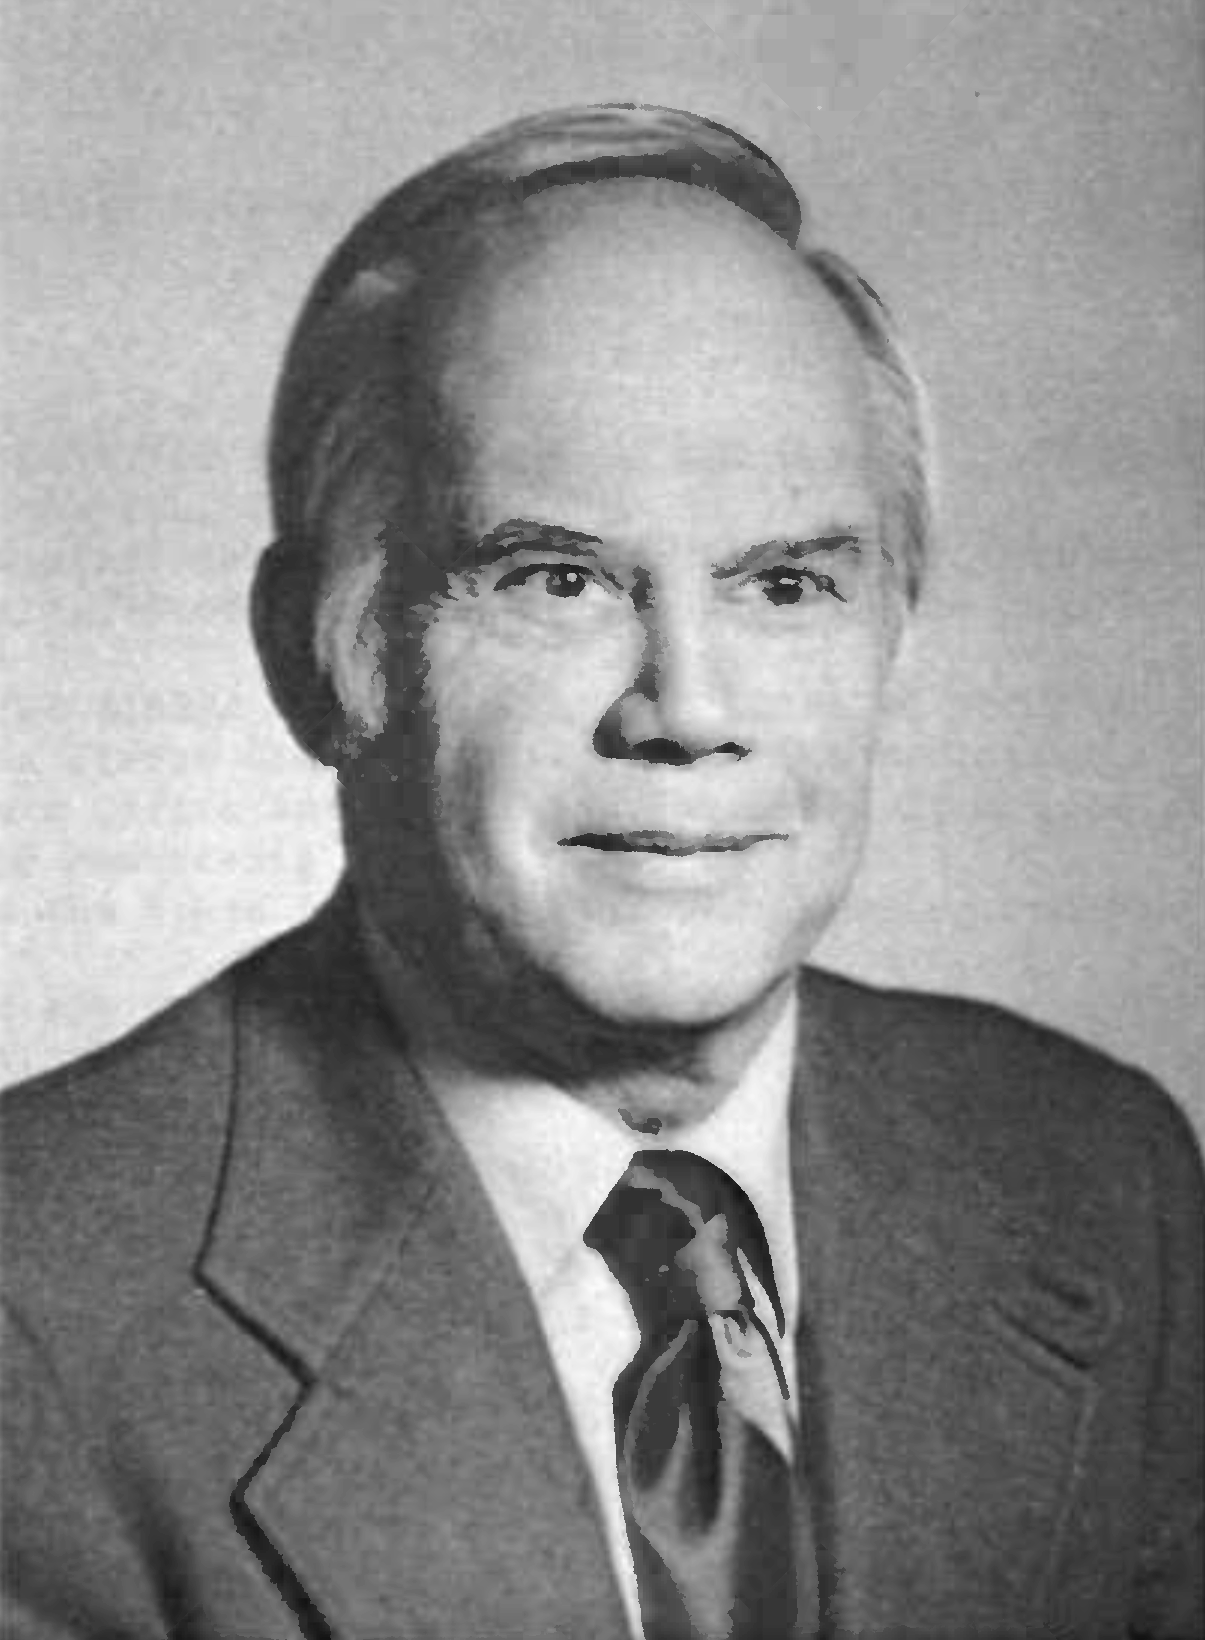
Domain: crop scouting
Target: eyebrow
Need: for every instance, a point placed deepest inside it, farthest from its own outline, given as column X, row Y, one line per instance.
column 788, row 549
column 525, row 535
column 528, row 535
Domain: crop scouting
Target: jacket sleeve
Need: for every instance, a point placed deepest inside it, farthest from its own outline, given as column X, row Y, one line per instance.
column 70, row 1569
column 1169, row 1589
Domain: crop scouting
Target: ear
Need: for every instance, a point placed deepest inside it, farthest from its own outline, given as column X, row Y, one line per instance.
column 897, row 623
column 899, row 645
column 283, row 598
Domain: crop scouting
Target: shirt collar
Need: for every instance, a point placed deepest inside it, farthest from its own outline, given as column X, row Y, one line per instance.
column 548, row 1161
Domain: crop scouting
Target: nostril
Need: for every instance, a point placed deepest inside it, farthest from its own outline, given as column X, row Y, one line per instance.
column 610, row 740
column 661, row 750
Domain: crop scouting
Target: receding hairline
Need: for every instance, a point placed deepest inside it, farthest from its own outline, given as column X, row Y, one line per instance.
column 471, row 258
column 500, row 242
column 491, row 256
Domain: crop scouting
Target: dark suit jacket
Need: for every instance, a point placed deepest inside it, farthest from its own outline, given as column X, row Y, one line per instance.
column 275, row 1369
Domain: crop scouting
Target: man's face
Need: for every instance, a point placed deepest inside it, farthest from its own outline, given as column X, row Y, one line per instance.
column 674, row 632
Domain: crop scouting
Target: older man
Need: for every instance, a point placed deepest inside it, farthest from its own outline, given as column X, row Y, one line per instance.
column 532, row 1244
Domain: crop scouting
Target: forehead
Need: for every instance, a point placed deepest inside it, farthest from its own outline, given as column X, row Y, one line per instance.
column 648, row 357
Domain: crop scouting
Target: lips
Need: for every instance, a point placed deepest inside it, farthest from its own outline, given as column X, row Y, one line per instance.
column 669, row 842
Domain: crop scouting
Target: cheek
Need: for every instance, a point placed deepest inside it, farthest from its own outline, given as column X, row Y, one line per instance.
column 514, row 722
column 489, row 676
column 821, row 703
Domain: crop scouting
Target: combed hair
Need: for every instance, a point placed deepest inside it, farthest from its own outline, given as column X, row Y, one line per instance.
column 342, row 414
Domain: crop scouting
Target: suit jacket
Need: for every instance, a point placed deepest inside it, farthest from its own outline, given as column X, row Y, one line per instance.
column 275, row 1371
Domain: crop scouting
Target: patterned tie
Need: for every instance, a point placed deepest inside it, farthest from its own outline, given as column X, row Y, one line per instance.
column 706, row 1494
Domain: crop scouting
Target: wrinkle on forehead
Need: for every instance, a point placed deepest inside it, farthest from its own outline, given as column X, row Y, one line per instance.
column 620, row 256
column 590, row 301
column 650, row 346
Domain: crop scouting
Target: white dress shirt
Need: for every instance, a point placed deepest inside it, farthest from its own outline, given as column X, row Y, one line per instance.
column 547, row 1163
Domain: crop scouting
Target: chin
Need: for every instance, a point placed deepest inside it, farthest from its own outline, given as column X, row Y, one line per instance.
column 660, row 985
column 670, row 957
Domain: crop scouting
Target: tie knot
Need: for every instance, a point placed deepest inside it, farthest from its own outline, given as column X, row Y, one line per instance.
column 670, row 1232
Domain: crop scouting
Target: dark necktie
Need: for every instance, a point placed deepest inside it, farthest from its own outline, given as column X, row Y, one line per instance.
column 707, row 1497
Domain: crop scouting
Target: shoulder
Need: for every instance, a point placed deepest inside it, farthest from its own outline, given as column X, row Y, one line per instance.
column 111, row 1162
column 116, row 1153
column 1032, row 1108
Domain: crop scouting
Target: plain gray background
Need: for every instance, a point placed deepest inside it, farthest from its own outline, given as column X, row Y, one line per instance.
column 1025, row 191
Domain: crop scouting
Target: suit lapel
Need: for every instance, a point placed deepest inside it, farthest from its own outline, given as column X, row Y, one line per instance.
column 943, row 1348
column 426, row 1482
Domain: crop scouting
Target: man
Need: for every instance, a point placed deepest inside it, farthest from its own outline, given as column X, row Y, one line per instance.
column 532, row 1243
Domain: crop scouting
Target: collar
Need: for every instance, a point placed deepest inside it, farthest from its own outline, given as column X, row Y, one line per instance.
column 547, row 1161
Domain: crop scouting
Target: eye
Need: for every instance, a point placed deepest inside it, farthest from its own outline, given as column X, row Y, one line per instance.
column 561, row 580
column 796, row 584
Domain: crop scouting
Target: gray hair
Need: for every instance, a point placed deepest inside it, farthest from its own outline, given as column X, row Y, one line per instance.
column 344, row 406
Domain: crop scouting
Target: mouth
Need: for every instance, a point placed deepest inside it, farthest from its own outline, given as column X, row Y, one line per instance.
column 668, row 842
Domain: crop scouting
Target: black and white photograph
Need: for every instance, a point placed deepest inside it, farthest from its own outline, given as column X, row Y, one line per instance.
column 603, row 888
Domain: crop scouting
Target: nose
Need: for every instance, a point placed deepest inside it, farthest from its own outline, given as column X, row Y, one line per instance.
column 680, row 707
